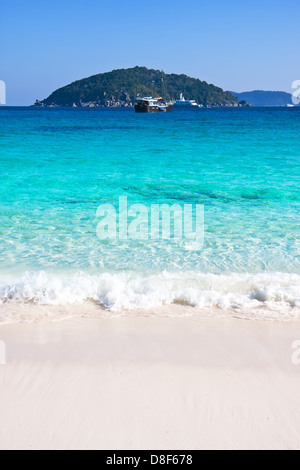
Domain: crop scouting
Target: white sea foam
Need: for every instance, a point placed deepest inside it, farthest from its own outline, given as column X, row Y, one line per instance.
column 261, row 295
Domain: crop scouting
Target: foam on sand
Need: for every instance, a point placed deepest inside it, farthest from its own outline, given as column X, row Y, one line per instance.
column 254, row 296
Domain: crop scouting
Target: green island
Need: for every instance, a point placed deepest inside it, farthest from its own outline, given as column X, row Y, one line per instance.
column 120, row 88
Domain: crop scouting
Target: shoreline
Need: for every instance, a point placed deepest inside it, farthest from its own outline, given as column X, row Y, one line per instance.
column 32, row 314
column 36, row 296
column 146, row 382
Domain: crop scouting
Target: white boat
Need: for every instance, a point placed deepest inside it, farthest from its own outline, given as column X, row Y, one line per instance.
column 289, row 105
column 183, row 103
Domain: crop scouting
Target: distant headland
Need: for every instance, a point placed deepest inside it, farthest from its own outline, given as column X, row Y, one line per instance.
column 120, row 88
column 264, row 99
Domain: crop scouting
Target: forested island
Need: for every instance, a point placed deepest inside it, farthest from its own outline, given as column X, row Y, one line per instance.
column 120, row 88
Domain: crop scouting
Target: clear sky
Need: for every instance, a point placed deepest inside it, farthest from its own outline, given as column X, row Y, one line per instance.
column 240, row 45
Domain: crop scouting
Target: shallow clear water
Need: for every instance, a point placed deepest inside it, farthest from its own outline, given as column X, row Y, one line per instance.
column 59, row 165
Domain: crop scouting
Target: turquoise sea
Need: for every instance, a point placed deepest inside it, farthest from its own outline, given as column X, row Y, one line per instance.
column 59, row 165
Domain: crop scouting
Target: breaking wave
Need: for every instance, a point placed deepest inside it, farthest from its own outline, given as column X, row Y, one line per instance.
column 261, row 295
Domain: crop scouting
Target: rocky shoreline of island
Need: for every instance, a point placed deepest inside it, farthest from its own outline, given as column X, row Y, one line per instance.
column 120, row 104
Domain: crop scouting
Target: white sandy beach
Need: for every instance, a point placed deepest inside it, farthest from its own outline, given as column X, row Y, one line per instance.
column 150, row 383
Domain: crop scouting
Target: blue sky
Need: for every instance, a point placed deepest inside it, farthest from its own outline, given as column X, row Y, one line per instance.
column 238, row 45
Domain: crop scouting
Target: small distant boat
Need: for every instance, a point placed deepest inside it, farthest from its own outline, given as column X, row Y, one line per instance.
column 152, row 105
column 183, row 103
column 289, row 105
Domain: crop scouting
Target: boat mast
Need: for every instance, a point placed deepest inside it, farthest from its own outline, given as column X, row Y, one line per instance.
column 162, row 84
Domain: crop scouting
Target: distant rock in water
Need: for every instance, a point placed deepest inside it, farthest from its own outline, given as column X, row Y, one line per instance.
column 120, row 88
column 265, row 98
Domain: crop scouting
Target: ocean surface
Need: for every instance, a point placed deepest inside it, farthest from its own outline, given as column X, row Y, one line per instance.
column 59, row 165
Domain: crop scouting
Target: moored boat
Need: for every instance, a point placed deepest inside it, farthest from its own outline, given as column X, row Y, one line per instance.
column 152, row 105
column 183, row 103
